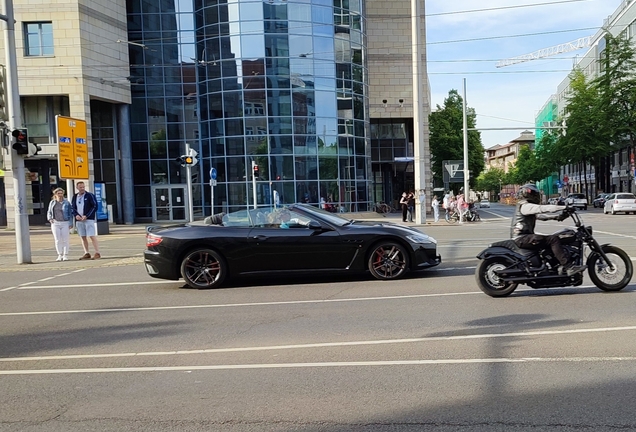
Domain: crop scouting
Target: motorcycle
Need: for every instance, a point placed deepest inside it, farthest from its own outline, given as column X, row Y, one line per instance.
column 504, row 265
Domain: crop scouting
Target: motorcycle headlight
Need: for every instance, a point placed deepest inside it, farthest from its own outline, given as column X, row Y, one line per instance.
column 421, row 238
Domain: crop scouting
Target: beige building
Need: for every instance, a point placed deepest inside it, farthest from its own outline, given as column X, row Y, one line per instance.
column 503, row 156
column 69, row 63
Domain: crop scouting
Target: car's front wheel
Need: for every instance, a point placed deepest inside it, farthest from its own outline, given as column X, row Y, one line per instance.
column 203, row 268
column 388, row 261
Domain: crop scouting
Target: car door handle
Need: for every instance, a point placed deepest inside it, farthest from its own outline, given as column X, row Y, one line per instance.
column 260, row 237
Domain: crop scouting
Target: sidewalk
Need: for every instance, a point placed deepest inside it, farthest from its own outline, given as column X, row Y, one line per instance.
column 124, row 245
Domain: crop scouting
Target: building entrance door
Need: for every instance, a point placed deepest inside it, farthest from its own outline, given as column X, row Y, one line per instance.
column 169, row 203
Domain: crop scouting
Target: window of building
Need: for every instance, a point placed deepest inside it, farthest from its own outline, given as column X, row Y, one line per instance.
column 38, row 39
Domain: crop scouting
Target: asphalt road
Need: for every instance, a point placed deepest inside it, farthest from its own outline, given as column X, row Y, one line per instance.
column 104, row 347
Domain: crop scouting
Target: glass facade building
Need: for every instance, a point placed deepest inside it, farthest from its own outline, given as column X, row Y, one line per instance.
column 282, row 84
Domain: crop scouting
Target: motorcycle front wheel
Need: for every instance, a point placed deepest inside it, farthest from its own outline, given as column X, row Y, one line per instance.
column 489, row 282
column 605, row 277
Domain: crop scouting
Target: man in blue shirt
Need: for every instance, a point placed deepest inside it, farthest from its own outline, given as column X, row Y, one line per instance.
column 85, row 210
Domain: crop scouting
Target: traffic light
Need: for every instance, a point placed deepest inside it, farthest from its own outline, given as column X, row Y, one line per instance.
column 33, row 149
column 256, row 172
column 189, row 160
column 21, row 145
column 192, row 157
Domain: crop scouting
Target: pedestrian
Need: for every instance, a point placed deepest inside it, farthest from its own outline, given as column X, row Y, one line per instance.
column 446, row 201
column 435, row 206
column 85, row 210
column 404, row 206
column 60, row 215
column 410, row 205
column 462, row 208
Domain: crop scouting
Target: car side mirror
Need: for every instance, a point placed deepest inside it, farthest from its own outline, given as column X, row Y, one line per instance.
column 314, row 225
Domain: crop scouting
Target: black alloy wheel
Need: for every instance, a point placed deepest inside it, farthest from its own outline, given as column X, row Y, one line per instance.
column 203, row 269
column 388, row 261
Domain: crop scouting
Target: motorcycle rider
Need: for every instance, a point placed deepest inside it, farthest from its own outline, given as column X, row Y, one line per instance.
column 525, row 218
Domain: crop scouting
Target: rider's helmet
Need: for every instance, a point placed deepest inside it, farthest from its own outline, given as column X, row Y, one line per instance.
column 530, row 193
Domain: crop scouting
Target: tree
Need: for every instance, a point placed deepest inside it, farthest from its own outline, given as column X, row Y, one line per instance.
column 447, row 137
column 617, row 90
column 585, row 139
column 491, row 180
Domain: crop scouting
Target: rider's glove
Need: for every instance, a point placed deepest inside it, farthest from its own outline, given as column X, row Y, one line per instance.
column 563, row 216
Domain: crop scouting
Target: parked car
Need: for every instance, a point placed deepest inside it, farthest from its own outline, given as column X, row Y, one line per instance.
column 620, row 202
column 599, row 201
column 299, row 238
column 576, row 200
column 484, row 203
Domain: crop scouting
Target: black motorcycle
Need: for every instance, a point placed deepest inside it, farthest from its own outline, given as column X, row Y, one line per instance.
column 504, row 265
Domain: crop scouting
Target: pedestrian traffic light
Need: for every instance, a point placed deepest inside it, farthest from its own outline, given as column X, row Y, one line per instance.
column 256, row 172
column 189, row 160
column 21, row 145
column 181, row 160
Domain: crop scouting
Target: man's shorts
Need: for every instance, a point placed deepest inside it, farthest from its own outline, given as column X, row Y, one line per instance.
column 87, row 228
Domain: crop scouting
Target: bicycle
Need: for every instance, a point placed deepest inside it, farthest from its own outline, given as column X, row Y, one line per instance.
column 452, row 216
column 382, row 208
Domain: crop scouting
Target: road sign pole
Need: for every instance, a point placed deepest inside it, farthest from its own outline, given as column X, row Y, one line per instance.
column 212, row 184
column 22, row 236
column 189, row 180
column 254, row 185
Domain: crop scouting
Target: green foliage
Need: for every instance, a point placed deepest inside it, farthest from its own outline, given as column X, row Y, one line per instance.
column 447, row 137
column 491, row 180
column 585, row 139
column 617, row 89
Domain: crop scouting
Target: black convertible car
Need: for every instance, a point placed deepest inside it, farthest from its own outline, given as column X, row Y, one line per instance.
column 298, row 238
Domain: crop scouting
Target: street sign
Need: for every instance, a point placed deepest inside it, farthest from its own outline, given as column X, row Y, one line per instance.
column 453, row 171
column 72, row 142
column 213, row 183
column 213, row 173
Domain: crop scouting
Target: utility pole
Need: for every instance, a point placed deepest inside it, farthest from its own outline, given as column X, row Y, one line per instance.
column 22, row 236
column 419, row 152
column 466, row 170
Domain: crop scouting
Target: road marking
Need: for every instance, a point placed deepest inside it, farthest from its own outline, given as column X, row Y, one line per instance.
column 24, row 286
column 27, row 285
column 233, row 305
column 320, row 365
column 614, row 234
column 495, row 214
column 320, row 345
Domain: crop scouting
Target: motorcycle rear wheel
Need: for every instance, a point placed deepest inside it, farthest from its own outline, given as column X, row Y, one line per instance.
column 489, row 282
column 604, row 277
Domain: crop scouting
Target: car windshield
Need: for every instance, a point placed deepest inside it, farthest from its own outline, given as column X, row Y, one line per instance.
column 265, row 217
column 331, row 218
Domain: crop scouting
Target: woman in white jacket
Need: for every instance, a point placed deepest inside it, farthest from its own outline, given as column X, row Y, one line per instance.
column 60, row 215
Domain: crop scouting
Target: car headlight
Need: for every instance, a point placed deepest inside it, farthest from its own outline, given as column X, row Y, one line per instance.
column 421, row 238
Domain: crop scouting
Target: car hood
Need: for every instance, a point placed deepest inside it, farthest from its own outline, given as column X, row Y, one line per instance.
column 391, row 225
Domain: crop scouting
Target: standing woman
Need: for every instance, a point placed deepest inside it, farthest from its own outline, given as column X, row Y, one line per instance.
column 60, row 214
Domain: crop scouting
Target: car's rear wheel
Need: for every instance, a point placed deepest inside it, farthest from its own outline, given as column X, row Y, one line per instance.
column 388, row 261
column 203, row 269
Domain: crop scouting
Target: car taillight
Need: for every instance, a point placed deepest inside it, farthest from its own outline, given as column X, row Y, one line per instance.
column 615, row 201
column 153, row 240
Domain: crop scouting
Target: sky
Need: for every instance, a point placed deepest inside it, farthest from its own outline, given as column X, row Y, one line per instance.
column 466, row 39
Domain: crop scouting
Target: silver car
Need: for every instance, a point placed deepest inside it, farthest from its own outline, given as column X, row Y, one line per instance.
column 620, row 202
